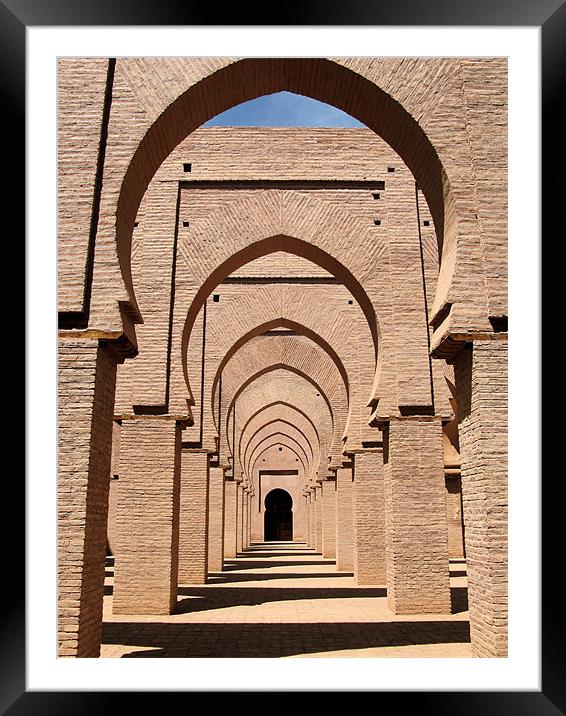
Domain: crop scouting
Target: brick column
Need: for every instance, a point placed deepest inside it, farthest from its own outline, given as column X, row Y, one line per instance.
column 369, row 519
column 193, row 518
column 344, row 520
column 455, row 519
column 329, row 519
column 230, row 513
column 245, row 516
column 215, row 519
column 481, row 384
column 248, row 518
column 239, row 517
column 415, row 518
column 318, row 519
column 86, row 387
column 113, row 494
column 308, row 519
column 147, row 523
column 313, row 518
column 249, row 532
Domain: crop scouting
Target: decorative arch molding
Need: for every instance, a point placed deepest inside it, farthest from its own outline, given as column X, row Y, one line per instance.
column 282, row 386
column 287, row 414
column 269, row 441
column 250, row 443
column 260, row 356
column 185, row 93
column 336, row 422
column 296, row 351
column 344, row 246
column 292, row 413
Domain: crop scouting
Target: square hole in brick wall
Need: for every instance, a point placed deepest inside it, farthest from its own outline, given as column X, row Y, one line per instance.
column 377, row 222
column 185, row 223
column 187, row 167
column 426, row 223
column 216, row 297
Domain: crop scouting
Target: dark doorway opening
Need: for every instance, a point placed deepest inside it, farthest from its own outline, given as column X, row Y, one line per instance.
column 278, row 517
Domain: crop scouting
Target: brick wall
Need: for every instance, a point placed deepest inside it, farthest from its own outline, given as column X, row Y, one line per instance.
column 216, row 520
column 147, row 524
column 415, row 518
column 329, row 518
column 193, row 518
column 369, row 519
column 344, row 520
column 86, row 382
column 481, row 380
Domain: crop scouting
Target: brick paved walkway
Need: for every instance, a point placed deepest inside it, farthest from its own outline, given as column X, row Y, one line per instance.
column 283, row 599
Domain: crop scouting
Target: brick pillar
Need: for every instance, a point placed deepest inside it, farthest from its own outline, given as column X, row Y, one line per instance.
column 239, row 517
column 318, row 519
column 369, row 519
column 308, row 519
column 344, row 520
column 112, row 502
column 193, row 518
column 230, row 513
column 215, row 519
column 415, row 518
column 249, row 531
column 147, row 523
column 245, row 515
column 86, row 388
column 329, row 519
column 113, row 494
column 313, row 518
column 455, row 518
column 481, row 384
column 248, row 518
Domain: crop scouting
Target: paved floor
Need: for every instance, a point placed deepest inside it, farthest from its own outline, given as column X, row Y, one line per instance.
column 283, row 600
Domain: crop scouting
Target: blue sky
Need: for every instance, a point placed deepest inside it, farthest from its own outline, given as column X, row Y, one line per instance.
column 283, row 109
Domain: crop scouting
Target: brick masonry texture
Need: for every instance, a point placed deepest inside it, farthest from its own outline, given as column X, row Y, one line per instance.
column 329, row 519
column 315, row 310
column 147, row 543
column 454, row 504
column 216, row 520
column 193, row 518
column 86, row 384
column 416, row 533
column 481, row 379
column 318, row 519
column 369, row 519
column 344, row 520
column 230, row 513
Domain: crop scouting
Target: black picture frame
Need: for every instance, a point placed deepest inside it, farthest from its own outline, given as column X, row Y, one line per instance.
column 550, row 16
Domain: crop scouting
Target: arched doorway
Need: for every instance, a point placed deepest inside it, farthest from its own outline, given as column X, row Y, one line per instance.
column 278, row 517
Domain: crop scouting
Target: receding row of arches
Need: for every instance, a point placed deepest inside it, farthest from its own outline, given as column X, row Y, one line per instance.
column 314, row 343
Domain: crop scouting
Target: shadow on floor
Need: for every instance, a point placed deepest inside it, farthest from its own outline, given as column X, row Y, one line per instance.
column 220, row 578
column 459, row 599
column 276, row 640
column 231, row 565
column 223, row 578
column 220, row 598
column 262, row 554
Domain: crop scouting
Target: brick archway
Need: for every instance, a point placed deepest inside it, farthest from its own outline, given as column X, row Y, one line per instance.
column 374, row 91
column 292, row 353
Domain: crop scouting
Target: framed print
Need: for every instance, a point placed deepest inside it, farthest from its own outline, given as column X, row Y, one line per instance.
column 177, row 254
